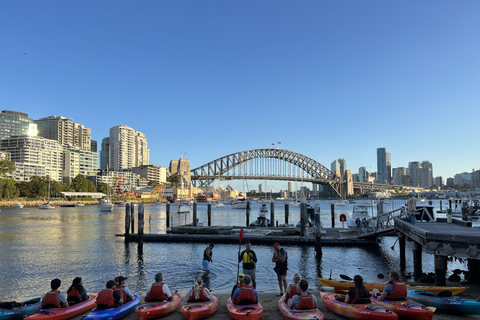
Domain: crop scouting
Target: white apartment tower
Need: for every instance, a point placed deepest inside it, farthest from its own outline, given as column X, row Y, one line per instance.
column 65, row 132
column 128, row 148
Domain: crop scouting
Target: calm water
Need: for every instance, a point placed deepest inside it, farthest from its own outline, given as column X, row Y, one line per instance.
column 39, row 245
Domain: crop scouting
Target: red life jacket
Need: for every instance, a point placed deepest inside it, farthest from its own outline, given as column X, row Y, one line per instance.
column 306, row 302
column 246, row 293
column 74, row 293
column 122, row 294
column 105, row 297
column 399, row 292
column 156, row 292
column 201, row 294
column 292, row 290
column 51, row 298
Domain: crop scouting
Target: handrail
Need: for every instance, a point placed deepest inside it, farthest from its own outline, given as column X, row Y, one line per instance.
column 381, row 222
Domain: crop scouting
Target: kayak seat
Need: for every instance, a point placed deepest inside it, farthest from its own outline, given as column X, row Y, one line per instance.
column 155, row 300
column 362, row 301
column 197, row 300
column 245, row 302
column 444, row 294
column 49, row 306
column 10, row 305
column 73, row 300
column 397, row 299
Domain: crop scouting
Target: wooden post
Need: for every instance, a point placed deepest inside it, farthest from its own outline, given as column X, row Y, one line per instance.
column 194, row 222
column 303, row 217
column 168, row 214
column 287, row 213
column 209, row 214
column 141, row 222
column 473, row 274
column 417, row 260
column 332, row 213
column 132, row 216
column 450, row 203
column 318, row 233
column 272, row 213
column 440, row 270
column 401, row 241
column 441, row 205
column 247, row 213
column 127, row 221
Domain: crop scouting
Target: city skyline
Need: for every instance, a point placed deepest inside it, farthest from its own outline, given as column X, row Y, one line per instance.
column 328, row 80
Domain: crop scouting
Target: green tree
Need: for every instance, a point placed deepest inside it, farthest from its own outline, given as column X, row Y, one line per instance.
column 6, row 167
column 174, row 180
column 9, row 189
column 103, row 187
column 152, row 183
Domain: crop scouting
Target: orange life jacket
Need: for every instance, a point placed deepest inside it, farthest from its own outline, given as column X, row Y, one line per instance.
column 399, row 292
column 156, row 292
column 122, row 294
column 51, row 298
column 306, row 302
column 201, row 294
column 74, row 293
column 105, row 297
column 246, row 293
column 292, row 290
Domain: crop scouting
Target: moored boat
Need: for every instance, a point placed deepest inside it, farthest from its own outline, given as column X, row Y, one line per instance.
column 17, row 311
column 355, row 311
column 244, row 312
column 345, row 285
column 445, row 302
column 239, row 204
column 406, row 309
column 65, row 313
column 290, row 314
column 115, row 313
column 17, row 205
column 153, row 310
column 199, row 310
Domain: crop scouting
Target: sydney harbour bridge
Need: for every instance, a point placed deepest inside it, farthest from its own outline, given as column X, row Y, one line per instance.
column 274, row 164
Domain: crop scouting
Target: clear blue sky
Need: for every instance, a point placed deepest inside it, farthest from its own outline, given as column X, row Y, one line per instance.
column 328, row 79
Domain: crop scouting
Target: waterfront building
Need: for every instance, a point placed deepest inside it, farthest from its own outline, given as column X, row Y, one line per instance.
column 406, row 180
column 450, row 182
column 14, row 123
column 119, row 181
column 362, row 174
column 104, row 154
column 152, row 173
column 64, row 131
column 382, row 166
column 414, row 171
column 77, row 161
column 426, row 174
column 289, row 189
column 439, row 182
column 34, row 156
column 128, row 148
column 464, row 177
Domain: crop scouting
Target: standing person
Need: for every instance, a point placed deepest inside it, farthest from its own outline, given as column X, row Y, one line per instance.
column 249, row 259
column 109, row 297
column 124, row 292
column 54, row 299
column 303, row 300
column 76, row 293
column 393, row 290
column 198, row 293
column 207, row 259
column 412, row 208
column 280, row 257
column 158, row 291
column 245, row 294
column 357, row 292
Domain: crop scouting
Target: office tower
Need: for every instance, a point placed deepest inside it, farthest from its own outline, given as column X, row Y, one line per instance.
column 105, row 153
column 77, row 161
column 13, row 123
column 426, row 174
column 397, row 175
column 475, row 178
column 362, row 174
column 34, row 156
column 335, row 167
column 343, row 166
column 290, row 189
column 382, row 166
column 93, row 147
column 128, row 148
column 389, row 167
column 406, row 180
column 64, row 131
column 438, row 181
column 260, row 188
column 450, row 182
column 414, row 169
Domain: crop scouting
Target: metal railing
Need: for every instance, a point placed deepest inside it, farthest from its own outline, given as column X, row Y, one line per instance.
column 381, row 223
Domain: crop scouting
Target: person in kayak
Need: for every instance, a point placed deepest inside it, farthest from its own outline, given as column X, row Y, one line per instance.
column 303, row 300
column 248, row 259
column 394, row 290
column 122, row 289
column 358, row 292
column 109, row 297
column 292, row 289
column 245, row 294
column 238, row 284
column 198, row 293
column 76, row 293
column 207, row 259
column 54, row 299
column 280, row 258
column 158, row 291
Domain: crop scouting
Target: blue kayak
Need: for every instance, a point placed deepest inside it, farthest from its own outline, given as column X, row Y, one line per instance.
column 445, row 302
column 20, row 310
column 115, row 313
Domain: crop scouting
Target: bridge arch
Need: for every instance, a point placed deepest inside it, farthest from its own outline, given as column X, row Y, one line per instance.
column 227, row 166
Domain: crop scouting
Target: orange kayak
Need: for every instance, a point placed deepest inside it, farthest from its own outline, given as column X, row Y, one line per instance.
column 407, row 309
column 199, row 310
column 247, row 312
column 356, row 311
column 380, row 285
column 65, row 313
column 290, row 314
column 153, row 310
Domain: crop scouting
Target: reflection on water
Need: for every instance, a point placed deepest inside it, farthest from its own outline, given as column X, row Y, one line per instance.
column 39, row 245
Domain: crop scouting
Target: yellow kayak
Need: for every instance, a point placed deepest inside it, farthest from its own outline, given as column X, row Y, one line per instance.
column 380, row 285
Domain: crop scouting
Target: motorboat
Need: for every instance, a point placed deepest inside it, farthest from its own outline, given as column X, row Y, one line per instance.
column 263, row 208
column 239, row 204
column 106, row 205
column 68, row 205
column 183, row 206
column 219, row 204
column 46, row 206
column 261, row 221
column 17, row 205
column 360, row 212
column 79, row 204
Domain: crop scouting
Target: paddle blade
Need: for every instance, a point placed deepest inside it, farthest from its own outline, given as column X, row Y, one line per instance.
column 241, row 235
column 344, row 277
column 380, row 276
column 432, row 308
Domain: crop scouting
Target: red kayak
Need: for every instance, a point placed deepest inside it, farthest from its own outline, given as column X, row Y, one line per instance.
column 247, row 312
column 290, row 314
column 153, row 310
column 407, row 309
column 65, row 313
column 356, row 311
column 199, row 310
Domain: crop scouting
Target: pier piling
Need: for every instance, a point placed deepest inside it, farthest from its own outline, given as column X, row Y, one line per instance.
column 417, row 260
column 127, row 221
column 332, row 213
column 132, row 216
column 440, row 270
column 168, row 214
column 303, row 217
column 401, row 242
column 272, row 213
column 473, row 274
column 194, row 222
column 287, row 213
column 141, row 216
column 247, row 213
column 209, row 214
column 318, row 233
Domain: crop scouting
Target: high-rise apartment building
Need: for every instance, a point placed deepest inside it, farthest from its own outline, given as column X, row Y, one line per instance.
column 13, row 123
column 104, row 154
column 426, row 174
column 93, row 146
column 475, row 178
column 65, row 132
column 77, row 161
column 439, row 181
column 382, row 166
column 260, row 188
column 152, row 173
column 414, row 169
column 128, row 148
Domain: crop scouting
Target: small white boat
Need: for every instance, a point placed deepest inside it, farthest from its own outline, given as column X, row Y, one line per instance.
column 263, row 208
column 79, row 204
column 239, row 204
column 17, row 205
column 106, row 205
column 219, row 204
column 360, row 212
column 46, row 206
column 183, row 206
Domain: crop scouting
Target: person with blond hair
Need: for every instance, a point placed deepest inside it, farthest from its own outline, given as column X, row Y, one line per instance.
column 292, row 289
column 198, row 293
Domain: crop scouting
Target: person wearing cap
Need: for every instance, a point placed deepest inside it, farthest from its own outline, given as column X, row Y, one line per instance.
column 280, row 257
column 54, row 299
column 249, row 259
column 207, row 259
column 158, row 291
column 120, row 287
column 238, row 284
column 109, row 297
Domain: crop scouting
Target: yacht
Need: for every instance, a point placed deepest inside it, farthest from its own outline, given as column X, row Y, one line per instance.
column 360, row 212
column 239, row 204
column 46, row 206
column 106, row 205
column 183, row 206
column 219, row 204
column 263, row 208
column 17, row 205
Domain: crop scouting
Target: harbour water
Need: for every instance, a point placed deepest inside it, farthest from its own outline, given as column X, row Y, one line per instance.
column 39, row 245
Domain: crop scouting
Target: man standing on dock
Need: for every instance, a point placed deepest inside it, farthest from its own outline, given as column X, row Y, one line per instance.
column 249, row 259
column 412, row 208
column 280, row 257
column 207, row 259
